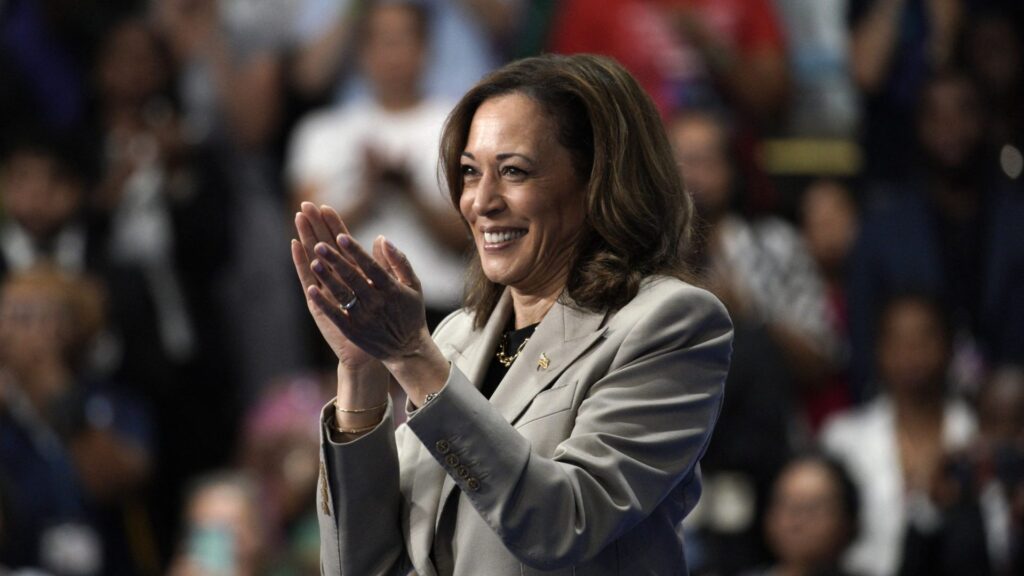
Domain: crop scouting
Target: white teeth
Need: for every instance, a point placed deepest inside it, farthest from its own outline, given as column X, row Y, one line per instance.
column 499, row 237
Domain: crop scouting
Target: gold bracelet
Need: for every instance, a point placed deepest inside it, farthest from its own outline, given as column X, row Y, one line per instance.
column 359, row 410
column 355, row 430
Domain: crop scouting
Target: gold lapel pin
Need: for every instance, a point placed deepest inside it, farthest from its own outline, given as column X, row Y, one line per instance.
column 542, row 362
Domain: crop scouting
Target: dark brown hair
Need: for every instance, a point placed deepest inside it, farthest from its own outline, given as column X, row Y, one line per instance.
column 638, row 215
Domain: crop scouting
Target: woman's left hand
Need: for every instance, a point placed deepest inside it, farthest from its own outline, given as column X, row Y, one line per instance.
column 387, row 318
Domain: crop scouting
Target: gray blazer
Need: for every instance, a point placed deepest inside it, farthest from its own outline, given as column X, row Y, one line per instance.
column 584, row 461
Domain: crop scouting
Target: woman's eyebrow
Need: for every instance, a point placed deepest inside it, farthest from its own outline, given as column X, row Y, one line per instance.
column 507, row 155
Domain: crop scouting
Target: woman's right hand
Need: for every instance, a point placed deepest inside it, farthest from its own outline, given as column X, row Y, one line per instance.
column 324, row 225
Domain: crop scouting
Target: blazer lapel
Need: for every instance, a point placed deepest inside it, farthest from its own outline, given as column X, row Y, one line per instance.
column 473, row 357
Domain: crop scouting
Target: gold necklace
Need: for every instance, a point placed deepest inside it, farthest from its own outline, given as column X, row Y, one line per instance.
column 502, row 354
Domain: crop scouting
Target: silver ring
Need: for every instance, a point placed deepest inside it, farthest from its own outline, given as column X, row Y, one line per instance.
column 351, row 303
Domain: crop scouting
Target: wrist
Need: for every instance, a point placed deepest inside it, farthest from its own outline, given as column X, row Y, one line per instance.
column 360, row 390
column 422, row 371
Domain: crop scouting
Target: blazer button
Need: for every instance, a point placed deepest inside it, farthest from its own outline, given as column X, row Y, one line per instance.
column 463, row 472
column 443, row 447
column 451, row 460
column 472, row 484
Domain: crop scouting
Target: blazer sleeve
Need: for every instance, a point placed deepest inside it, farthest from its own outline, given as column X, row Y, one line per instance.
column 359, row 503
column 638, row 433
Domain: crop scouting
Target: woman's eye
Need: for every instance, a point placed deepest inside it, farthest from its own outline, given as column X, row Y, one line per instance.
column 468, row 170
column 512, row 171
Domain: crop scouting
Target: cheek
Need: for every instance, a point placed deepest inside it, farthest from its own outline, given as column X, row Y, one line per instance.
column 466, row 205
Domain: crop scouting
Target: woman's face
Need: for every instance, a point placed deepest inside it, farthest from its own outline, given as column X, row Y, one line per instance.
column 805, row 523
column 521, row 196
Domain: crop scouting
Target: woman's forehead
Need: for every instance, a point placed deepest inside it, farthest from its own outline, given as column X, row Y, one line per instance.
column 509, row 123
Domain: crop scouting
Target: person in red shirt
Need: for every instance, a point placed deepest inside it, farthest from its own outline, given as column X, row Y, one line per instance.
column 686, row 53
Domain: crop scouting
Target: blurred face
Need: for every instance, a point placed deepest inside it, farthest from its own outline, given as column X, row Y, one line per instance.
column 521, row 196
column 830, row 224
column 1001, row 406
column 226, row 507
column 994, row 49
column 131, row 67
column 699, row 145
column 33, row 323
column 912, row 349
column 36, row 197
column 950, row 127
column 805, row 524
column 393, row 52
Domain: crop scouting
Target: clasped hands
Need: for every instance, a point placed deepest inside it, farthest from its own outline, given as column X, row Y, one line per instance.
column 369, row 309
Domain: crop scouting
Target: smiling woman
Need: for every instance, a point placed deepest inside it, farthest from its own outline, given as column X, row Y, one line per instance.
column 556, row 421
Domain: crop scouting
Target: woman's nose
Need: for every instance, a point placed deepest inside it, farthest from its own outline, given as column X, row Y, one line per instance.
column 488, row 199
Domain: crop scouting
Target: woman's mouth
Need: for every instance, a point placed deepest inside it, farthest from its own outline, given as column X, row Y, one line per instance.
column 496, row 239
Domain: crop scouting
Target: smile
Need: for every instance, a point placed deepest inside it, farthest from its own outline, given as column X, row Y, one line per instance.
column 497, row 238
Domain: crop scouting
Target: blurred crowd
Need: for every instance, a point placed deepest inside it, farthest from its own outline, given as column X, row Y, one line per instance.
column 856, row 165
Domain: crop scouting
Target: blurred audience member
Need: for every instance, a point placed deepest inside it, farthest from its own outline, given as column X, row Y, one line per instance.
column 44, row 184
column 896, row 45
column 280, row 451
column 76, row 449
column 467, row 39
column 829, row 221
column 812, row 518
column 686, row 53
column 737, row 472
column 994, row 54
column 370, row 160
column 953, row 231
column 142, row 146
column 1000, row 468
column 225, row 530
column 229, row 56
column 979, row 494
column 761, row 270
column 896, row 445
column 823, row 99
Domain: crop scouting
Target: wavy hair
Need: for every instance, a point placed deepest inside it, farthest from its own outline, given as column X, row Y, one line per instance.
column 638, row 216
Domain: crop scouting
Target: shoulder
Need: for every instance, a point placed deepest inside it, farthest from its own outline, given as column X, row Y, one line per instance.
column 457, row 324
column 848, row 428
column 670, row 311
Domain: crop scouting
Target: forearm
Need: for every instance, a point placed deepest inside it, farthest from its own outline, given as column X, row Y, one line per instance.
column 873, row 42
column 361, row 400
column 757, row 84
column 359, row 502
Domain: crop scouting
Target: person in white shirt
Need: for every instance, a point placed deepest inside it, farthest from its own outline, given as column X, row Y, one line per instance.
column 365, row 159
column 895, row 447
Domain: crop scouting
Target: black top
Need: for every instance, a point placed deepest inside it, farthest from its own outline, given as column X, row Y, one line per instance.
column 512, row 339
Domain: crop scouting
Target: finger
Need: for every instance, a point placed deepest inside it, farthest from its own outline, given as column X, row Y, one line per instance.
column 307, row 236
column 329, row 308
column 399, row 263
column 316, row 220
column 337, row 283
column 355, row 279
column 301, row 261
column 371, row 269
column 333, row 221
column 378, row 256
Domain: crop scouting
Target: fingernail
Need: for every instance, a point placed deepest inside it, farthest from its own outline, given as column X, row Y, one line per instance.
column 318, row 267
column 344, row 240
column 390, row 246
column 321, row 249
